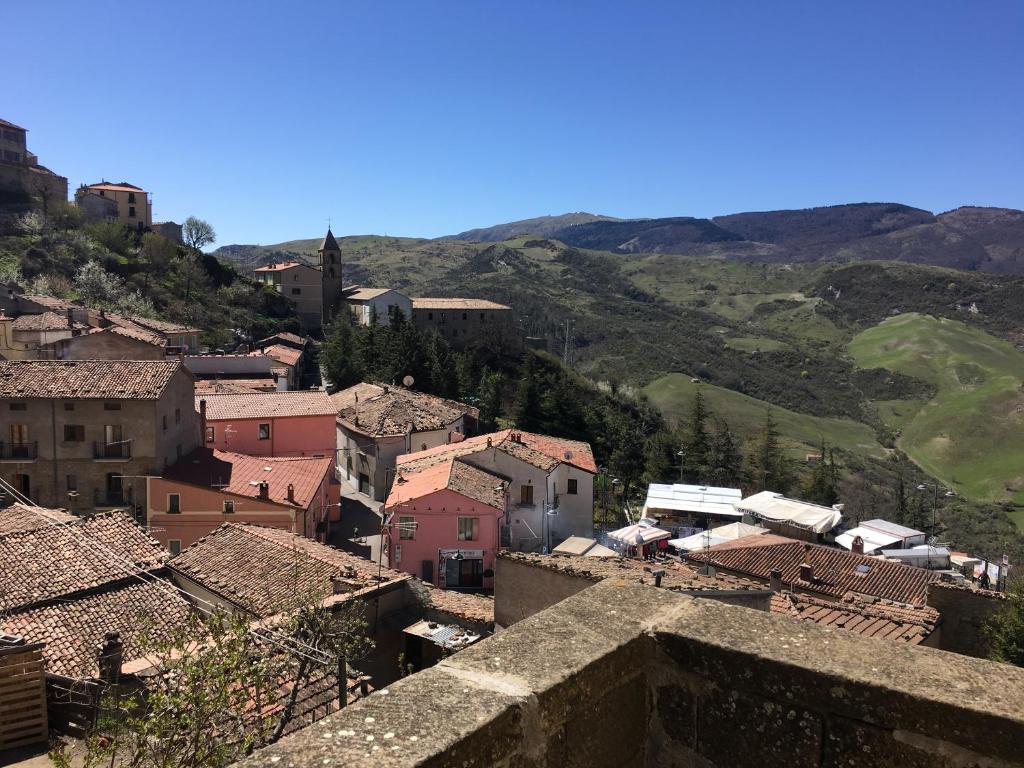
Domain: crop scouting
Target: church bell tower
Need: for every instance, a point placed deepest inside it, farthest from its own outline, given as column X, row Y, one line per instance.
column 330, row 267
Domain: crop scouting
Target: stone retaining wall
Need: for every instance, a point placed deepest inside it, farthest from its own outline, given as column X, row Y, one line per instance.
column 628, row 675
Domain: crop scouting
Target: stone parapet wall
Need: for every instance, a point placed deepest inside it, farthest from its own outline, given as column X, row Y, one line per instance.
column 630, row 675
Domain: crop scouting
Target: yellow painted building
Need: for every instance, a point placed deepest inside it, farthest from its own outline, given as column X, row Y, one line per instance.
column 134, row 207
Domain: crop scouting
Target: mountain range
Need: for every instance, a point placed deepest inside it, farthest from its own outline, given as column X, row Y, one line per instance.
column 970, row 238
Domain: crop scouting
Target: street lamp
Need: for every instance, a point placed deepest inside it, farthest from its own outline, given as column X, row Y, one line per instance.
column 682, row 462
column 948, row 493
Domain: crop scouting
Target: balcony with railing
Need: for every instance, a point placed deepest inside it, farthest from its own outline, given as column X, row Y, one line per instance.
column 118, row 451
column 19, row 451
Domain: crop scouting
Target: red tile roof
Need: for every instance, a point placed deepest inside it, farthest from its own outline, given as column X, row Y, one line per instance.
column 267, row 405
column 453, row 475
column 461, row 606
column 386, row 410
column 21, row 517
column 542, row 451
column 836, row 571
column 877, row 618
column 60, row 560
column 142, row 613
column 281, row 353
column 241, row 475
column 92, row 379
column 265, row 570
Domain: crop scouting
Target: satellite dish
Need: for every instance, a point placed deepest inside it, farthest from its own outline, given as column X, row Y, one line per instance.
column 408, row 381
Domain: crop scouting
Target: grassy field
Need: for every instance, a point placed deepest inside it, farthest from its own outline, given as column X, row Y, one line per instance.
column 971, row 435
column 801, row 434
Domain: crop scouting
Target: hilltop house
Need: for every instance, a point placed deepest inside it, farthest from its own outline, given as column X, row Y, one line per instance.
column 550, row 482
column 208, row 488
column 270, row 423
column 375, row 304
column 124, row 202
column 80, row 434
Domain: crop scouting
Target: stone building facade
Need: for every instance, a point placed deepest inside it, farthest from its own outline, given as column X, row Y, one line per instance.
column 25, row 185
column 468, row 322
column 84, row 435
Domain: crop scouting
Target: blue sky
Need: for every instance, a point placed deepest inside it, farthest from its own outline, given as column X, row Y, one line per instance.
column 430, row 117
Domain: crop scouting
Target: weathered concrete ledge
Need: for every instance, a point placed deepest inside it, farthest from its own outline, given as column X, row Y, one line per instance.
column 627, row 675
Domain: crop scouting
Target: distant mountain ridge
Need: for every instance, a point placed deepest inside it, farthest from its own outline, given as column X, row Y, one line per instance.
column 971, row 238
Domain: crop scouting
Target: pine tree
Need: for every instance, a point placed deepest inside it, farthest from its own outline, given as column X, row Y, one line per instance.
column 695, row 460
column 771, row 467
column 821, row 485
column 726, row 460
column 443, row 380
column 660, row 465
column 489, row 395
column 902, row 509
column 526, row 411
column 339, row 355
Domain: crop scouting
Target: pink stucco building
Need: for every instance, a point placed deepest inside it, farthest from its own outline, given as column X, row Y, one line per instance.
column 270, row 423
column 445, row 523
column 207, row 488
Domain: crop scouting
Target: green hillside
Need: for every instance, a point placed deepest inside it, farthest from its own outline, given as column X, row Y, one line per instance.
column 673, row 394
column 971, row 435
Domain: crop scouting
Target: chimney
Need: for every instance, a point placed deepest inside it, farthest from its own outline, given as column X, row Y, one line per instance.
column 202, row 421
column 488, row 442
column 341, row 585
column 775, row 580
column 111, row 656
column 264, row 490
column 291, row 493
column 806, row 572
column 282, row 382
column 858, row 546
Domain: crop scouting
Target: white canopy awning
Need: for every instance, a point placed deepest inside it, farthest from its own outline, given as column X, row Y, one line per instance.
column 696, row 499
column 638, row 535
column 719, row 535
column 776, row 508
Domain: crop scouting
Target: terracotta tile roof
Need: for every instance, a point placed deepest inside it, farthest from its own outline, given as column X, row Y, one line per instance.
column 386, row 410
column 542, row 451
column 289, row 338
column 678, row 576
column 99, row 379
column 124, row 186
column 241, row 475
column 454, row 475
column 47, row 321
column 281, row 353
column 21, row 517
column 365, row 294
column 73, row 630
column 267, row 405
column 455, row 304
column 132, row 331
column 51, row 301
column 877, row 618
column 836, row 571
column 280, row 266
column 258, row 568
column 462, row 606
column 57, row 561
